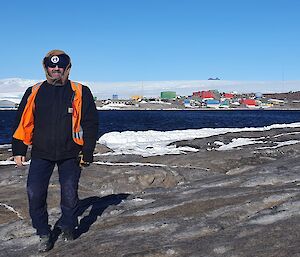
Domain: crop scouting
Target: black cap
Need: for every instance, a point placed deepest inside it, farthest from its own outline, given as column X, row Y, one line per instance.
column 61, row 60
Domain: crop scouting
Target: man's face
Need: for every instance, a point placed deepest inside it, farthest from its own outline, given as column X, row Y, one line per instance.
column 56, row 72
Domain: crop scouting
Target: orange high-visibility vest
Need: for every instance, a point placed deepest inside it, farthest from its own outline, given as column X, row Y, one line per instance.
column 25, row 128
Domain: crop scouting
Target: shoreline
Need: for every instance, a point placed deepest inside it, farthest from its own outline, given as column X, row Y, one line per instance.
column 202, row 109
column 184, row 109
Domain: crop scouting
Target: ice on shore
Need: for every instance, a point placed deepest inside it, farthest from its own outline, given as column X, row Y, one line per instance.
column 150, row 143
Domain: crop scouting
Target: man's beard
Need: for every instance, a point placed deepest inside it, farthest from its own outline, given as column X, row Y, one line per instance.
column 57, row 72
column 57, row 81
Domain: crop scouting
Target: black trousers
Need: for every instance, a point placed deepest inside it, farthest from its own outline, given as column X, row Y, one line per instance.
column 40, row 171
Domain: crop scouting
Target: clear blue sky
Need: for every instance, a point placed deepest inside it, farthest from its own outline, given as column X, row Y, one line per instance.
column 134, row 40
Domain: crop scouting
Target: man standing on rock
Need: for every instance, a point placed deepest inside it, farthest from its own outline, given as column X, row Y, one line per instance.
column 58, row 117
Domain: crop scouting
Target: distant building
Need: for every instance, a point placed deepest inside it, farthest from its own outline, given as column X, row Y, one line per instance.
column 115, row 97
column 137, row 97
column 250, row 103
column 204, row 95
column 168, row 95
column 225, row 103
column 212, row 103
column 187, row 103
column 228, row 96
column 276, row 101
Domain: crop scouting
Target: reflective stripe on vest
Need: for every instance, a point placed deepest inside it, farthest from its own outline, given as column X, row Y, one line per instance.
column 25, row 128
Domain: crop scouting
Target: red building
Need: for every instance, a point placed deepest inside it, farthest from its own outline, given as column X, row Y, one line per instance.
column 228, row 96
column 204, row 94
column 248, row 102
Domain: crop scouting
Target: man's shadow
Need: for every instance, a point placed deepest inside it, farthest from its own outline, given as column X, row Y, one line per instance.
column 99, row 204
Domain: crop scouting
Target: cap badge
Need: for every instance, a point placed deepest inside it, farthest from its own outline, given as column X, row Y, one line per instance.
column 54, row 59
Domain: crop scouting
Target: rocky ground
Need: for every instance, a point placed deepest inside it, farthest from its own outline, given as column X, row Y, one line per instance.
column 239, row 202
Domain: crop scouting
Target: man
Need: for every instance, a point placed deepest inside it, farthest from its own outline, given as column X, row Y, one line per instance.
column 58, row 118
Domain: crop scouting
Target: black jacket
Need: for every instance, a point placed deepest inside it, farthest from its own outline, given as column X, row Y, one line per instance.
column 52, row 135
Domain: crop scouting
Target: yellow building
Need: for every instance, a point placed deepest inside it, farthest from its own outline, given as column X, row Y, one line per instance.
column 136, row 97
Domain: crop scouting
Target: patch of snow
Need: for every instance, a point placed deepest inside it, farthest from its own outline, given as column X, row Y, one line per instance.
column 236, row 142
column 150, row 143
column 280, row 144
column 11, row 209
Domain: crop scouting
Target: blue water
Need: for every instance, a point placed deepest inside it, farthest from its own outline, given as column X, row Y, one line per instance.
column 115, row 120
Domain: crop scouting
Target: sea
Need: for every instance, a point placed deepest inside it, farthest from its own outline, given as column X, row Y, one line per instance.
column 166, row 120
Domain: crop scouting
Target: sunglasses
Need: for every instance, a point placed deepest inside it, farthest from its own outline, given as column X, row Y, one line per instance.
column 62, row 61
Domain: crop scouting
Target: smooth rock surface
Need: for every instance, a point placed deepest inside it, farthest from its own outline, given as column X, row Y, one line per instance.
column 239, row 202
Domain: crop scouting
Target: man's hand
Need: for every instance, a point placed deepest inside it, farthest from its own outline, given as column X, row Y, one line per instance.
column 81, row 162
column 19, row 160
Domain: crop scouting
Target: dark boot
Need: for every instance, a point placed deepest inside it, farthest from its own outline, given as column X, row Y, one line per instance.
column 46, row 243
column 67, row 235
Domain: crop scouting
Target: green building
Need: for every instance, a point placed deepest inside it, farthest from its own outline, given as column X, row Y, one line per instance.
column 168, row 95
